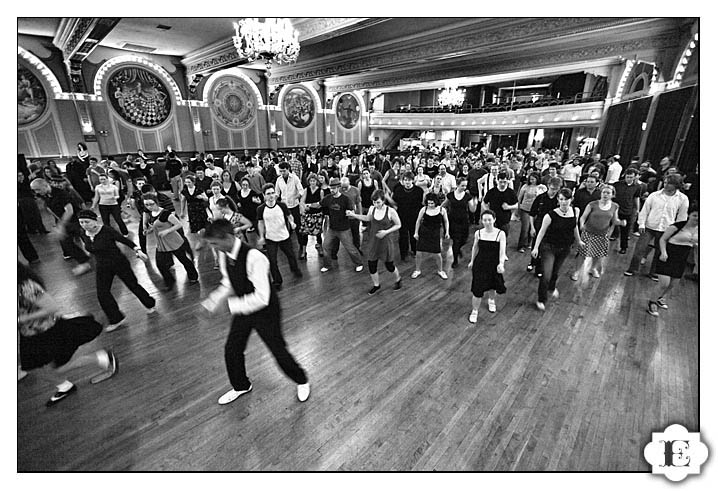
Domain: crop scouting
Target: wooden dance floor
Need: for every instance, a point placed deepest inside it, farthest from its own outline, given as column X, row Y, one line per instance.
column 400, row 380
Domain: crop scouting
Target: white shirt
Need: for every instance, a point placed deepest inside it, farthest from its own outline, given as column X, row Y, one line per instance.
column 275, row 226
column 448, row 182
column 289, row 191
column 257, row 273
column 344, row 165
column 213, row 173
column 614, row 172
column 571, row 172
column 660, row 210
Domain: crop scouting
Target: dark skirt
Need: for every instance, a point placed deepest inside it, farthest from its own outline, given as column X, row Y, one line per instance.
column 311, row 223
column 429, row 240
column 197, row 214
column 675, row 265
column 59, row 343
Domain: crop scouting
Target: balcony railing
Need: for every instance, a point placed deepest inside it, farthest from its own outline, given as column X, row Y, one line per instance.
column 509, row 105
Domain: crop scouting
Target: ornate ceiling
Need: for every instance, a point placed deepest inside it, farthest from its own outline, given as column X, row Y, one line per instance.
column 375, row 53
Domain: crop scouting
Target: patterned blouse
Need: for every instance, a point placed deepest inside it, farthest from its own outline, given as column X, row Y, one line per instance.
column 28, row 294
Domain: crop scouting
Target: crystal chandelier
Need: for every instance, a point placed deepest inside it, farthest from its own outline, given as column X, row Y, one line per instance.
column 452, row 96
column 272, row 40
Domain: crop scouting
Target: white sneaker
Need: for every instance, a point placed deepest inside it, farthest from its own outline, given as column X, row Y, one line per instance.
column 415, row 274
column 324, row 269
column 231, row 395
column 112, row 327
column 554, row 293
column 303, row 392
column 443, row 275
column 541, row 306
column 81, row 269
column 151, row 310
column 473, row 316
column 359, row 269
column 492, row 305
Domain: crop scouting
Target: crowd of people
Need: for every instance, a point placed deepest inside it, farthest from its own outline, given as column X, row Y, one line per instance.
column 379, row 205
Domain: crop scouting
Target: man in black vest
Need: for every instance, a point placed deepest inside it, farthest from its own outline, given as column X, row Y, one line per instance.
column 254, row 305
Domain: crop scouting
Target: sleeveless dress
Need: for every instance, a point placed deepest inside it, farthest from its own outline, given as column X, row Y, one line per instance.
column 484, row 276
column 430, row 234
column 381, row 249
column 312, row 217
column 366, row 192
column 459, row 214
column 195, row 209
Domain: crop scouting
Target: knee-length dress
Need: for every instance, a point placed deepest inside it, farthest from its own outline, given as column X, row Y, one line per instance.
column 196, row 209
column 381, row 249
column 484, row 275
column 430, row 233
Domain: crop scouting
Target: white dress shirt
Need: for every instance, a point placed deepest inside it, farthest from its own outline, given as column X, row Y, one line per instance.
column 289, row 191
column 660, row 210
column 257, row 273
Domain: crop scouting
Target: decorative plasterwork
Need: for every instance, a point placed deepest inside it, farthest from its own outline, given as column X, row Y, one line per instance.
column 485, row 38
column 500, row 65
column 234, row 72
column 46, row 73
column 72, row 31
column 584, row 114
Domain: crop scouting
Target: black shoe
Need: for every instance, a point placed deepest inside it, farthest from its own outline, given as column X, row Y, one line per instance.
column 622, row 251
column 334, row 256
column 194, row 281
column 277, row 286
column 654, row 277
column 455, row 264
column 374, row 289
column 60, row 395
column 297, row 274
column 397, row 285
column 360, row 252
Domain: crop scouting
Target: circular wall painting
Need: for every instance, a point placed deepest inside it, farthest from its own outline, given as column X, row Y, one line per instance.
column 233, row 102
column 348, row 111
column 298, row 107
column 31, row 96
column 139, row 96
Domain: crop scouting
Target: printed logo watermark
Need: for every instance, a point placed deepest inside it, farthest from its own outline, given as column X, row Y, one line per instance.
column 676, row 453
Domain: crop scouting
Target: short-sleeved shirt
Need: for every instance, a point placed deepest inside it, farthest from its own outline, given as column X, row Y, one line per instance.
column 275, row 225
column 336, row 209
column 626, row 196
column 583, row 197
column 495, row 198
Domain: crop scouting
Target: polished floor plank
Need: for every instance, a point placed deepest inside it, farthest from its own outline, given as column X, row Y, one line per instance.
column 400, row 380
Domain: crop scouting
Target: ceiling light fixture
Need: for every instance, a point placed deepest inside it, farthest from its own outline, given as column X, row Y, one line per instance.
column 272, row 40
column 452, row 96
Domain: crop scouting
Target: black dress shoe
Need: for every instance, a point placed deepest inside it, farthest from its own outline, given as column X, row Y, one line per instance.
column 455, row 264
column 60, row 395
column 277, row 286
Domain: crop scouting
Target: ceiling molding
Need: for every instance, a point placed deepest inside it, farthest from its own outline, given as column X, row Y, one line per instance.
column 463, row 44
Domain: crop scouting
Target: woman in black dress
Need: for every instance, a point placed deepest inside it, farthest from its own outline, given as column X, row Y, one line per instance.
column 46, row 338
column 367, row 186
column 676, row 244
column 193, row 204
column 101, row 240
column 229, row 188
column 428, row 234
column 247, row 202
column 487, row 264
column 459, row 203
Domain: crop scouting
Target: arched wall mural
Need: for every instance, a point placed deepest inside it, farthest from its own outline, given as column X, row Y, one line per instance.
column 351, row 119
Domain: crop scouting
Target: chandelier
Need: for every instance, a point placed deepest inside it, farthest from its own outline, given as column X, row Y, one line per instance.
column 271, row 40
column 452, row 96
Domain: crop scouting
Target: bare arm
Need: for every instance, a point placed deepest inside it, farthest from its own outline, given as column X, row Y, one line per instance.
column 176, row 225
column 474, row 249
column 670, row 231
column 446, row 221
column 502, row 252
column 363, row 218
column 418, row 222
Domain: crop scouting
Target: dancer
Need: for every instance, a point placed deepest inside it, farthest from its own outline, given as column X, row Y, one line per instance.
column 502, row 201
column 676, row 244
column 68, row 229
column 107, row 196
column 275, row 225
column 428, row 234
column 311, row 219
column 47, row 338
column 553, row 242
column 337, row 226
column 254, row 304
column 194, row 203
column 628, row 195
column 228, row 211
column 459, row 204
column 100, row 240
column 487, row 264
column 661, row 209
column 527, row 195
column 408, row 199
column 383, row 222
column 596, row 225
column 229, row 188
column 165, row 226
column 213, row 211
column 542, row 205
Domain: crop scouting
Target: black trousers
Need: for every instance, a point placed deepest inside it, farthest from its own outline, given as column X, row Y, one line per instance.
column 625, row 231
column 164, row 262
column 458, row 232
column 552, row 258
column 407, row 242
column 113, row 210
column 267, row 323
column 32, row 220
column 26, row 247
column 73, row 232
column 106, row 272
column 287, row 248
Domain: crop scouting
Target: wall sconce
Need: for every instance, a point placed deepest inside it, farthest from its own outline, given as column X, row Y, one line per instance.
column 103, row 133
